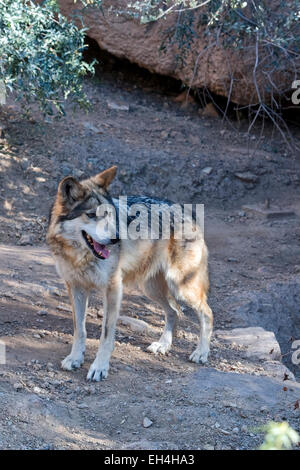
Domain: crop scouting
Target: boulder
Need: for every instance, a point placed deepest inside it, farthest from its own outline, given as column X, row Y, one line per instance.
column 204, row 65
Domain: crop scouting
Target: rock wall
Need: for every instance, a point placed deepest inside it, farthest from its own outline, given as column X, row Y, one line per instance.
column 205, row 65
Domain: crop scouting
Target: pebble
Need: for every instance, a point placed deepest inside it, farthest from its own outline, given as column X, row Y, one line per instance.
column 147, row 422
column 117, row 107
column 18, row 386
column 42, row 312
column 247, row 177
column 82, row 406
column 207, row 170
column 208, row 447
column 25, row 240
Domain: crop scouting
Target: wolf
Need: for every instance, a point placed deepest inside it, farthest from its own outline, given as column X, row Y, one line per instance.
column 83, row 236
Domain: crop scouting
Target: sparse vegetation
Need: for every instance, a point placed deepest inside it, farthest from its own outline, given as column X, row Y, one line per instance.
column 41, row 54
column 279, row 436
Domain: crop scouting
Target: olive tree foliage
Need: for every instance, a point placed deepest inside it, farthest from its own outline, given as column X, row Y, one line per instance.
column 41, row 54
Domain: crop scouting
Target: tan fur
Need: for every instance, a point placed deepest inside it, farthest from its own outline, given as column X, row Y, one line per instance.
column 166, row 270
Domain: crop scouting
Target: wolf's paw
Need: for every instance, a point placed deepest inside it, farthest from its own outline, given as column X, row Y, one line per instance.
column 157, row 347
column 72, row 362
column 199, row 356
column 97, row 372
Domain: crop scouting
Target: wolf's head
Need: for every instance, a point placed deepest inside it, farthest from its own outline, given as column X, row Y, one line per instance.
column 83, row 214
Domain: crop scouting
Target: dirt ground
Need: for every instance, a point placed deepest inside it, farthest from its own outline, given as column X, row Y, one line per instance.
column 167, row 150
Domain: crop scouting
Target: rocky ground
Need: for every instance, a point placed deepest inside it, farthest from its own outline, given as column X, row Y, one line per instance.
column 250, row 188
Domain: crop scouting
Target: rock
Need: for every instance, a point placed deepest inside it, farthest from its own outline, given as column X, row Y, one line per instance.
column 135, row 324
column 125, row 37
column 25, row 239
column 210, row 111
column 42, row 313
column 259, row 343
column 269, row 213
column 63, row 308
column 250, row 391
column 207, row 170
column 18, row 386
column 117, row 107
column 208, row 447
column 147, row 422
column 247, row 177
column 275, row 307
column 91, row 127
column 82, row 406
column 53, row 291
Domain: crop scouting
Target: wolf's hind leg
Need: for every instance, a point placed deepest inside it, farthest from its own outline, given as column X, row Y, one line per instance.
column 205, row 317
column 157, row 289
column 194, row 294
column 79, row 300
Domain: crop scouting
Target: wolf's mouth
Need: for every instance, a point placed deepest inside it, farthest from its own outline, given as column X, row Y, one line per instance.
column 100, row 251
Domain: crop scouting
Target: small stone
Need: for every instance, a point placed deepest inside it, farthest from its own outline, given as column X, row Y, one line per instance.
column 274, row 213
column 244, row 428
column 208, row 447
column 247, row 177
column 134, row 324
column 91, row 127
column 263, row 409
column 37, row 336
column 235, row 430
column 25, row 240
column 82, row 406
column 64, row 308
column 42, row 313
column 117, row 107
column 51, row 290
column 37, row 390
column 207, row 170
column 147, row 422
column 18, row 386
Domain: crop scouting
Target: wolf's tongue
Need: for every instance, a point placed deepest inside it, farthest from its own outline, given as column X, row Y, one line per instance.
column 101, row 250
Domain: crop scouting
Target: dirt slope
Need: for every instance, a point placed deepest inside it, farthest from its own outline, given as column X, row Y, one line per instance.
column 161, row 150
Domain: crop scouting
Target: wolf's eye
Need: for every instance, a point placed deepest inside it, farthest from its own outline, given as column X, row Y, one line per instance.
column 91, row 215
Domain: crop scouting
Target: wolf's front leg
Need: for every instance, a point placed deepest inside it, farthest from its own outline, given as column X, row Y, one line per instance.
column 100, row 366
column 79, row 300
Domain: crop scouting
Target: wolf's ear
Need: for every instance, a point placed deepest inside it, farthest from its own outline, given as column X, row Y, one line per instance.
column 105, row 178
column 70, row 190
